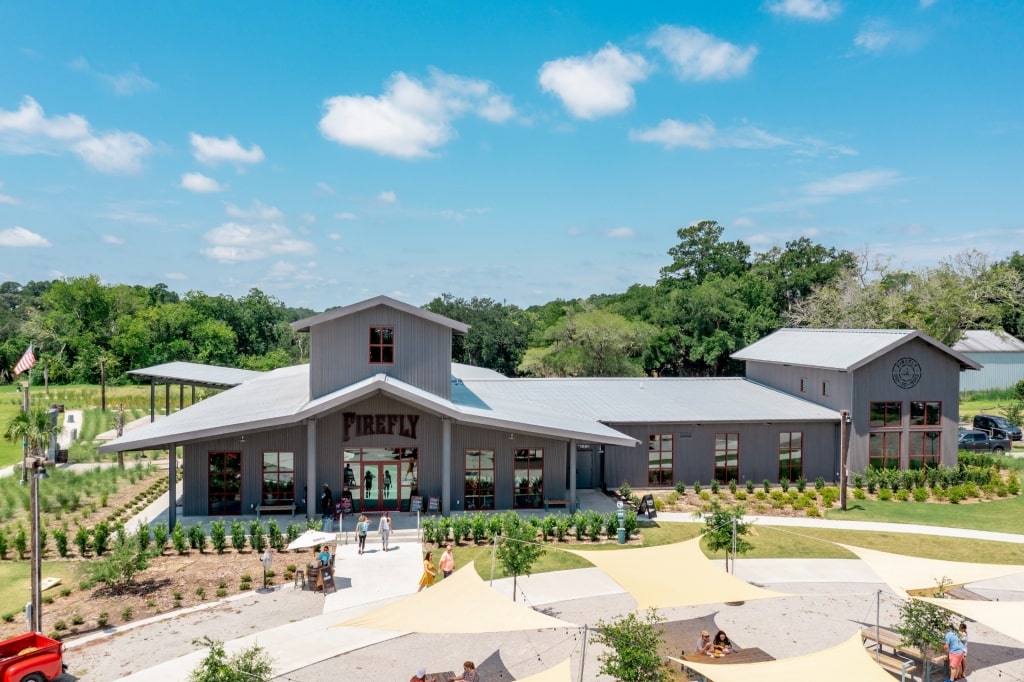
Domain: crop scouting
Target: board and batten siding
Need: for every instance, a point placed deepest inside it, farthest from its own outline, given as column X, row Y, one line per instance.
column 999, row 371
column 940, row 380
column 787, row 378
column 339, row 352
column 693, row 456
column 196, row 461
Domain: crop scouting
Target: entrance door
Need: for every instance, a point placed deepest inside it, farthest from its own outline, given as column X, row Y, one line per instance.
column 380, row 479
column 380, row 487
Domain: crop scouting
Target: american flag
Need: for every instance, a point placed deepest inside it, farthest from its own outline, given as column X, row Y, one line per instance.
column 27, row 362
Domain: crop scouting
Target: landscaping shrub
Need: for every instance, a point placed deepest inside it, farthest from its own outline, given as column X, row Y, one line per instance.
column 680, row 487
column 461, row 528
column 274, row 535
column 218, row 536
column 197, row 537
column 750, row 487
column 160, row 536
column 20, row 542
column 178, row 538
column 257, row 539
column 100, row 537
column 82, row 540
column 238, row 536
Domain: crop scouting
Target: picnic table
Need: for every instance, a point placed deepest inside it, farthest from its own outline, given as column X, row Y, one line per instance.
column 443, row 676
column 748, row 655
column 882, row 638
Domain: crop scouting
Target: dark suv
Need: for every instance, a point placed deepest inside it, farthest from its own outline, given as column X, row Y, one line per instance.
column 997, row 425
column 980, row 441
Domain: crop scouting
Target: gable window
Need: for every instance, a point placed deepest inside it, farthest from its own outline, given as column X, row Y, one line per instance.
column 479, row 487
column 382, row 345
column 528, row 477
column 885, row 415
column 884, row 450
column 659, row 459
column 803, row 384
column 791, row 455
column 278, row 477
column 727, row 457
column 826, row 388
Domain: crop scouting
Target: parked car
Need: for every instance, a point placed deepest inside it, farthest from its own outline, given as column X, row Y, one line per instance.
column 30, row 657
column 981, row 441
column 997, row 425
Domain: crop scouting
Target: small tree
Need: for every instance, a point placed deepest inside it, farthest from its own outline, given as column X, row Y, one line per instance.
column 119, row 567
column 719, row 526
column 633, row 644
column 517, row 548
column 923, row 624
column 249, row 665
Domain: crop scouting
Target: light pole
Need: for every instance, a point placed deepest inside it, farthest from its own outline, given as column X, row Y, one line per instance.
column 36, row 616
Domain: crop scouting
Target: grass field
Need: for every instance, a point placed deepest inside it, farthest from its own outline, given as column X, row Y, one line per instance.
column 998, row 515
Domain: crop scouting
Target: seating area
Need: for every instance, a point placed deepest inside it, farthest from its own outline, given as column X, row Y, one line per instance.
column 906, row 661
column 275, row 508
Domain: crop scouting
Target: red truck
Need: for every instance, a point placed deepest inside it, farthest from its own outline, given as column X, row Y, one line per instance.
column 31, row 657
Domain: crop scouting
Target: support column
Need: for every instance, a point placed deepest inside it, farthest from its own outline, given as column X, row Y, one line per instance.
column 167, row 399
column 152, row 399
column 312, row 485
column 572, row 475
column 172, row 484
column 446, row 465
column 181, row 397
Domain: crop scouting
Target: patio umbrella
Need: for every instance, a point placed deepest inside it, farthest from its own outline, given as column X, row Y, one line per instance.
column 312, row 538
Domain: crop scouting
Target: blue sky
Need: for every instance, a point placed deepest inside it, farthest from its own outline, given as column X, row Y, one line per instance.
column 327, row 152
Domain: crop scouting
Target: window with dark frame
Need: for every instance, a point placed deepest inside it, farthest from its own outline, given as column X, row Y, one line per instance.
column 886, row 415
column 382, row 345
column 925, row 450
column 826, row 388
column 791, row 455
column 803, row 384
column 528, row 478
column 659, row 459
column 925, row 413
column 224, row 487
column 479, row 479
column 884, row 449
column 727, row 457
column 278, row 478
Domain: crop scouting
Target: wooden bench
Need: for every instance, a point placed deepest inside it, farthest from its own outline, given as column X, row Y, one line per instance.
column 896, row 664
column 962, row 592
column 555, row 503
column 267, row 508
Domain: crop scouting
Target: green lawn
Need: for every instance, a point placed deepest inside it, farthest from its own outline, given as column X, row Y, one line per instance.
column 16, row 586
column 997, row 515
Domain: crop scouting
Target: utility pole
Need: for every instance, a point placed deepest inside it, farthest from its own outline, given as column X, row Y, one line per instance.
column 25, row 405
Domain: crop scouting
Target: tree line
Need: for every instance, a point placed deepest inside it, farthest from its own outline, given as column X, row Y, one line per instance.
column 712, row 298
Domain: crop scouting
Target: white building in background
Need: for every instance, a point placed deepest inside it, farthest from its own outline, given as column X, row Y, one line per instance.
column 1001, row 357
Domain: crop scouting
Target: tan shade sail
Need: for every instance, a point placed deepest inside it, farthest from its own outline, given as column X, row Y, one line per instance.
column 559, row 673
column 903, row 573
column 462, row 603
column 848, row 662
column 673, row 575
column 1005, row 616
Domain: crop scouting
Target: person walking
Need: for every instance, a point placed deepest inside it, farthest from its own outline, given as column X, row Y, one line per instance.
column 326, row 501
column 429, row 572
column 362, row 528
column 385, row 529
column 447, row 561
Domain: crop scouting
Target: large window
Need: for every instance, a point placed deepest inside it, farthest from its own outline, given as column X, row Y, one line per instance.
column 278, row 477
column 884, row 449
column 382, row 345
column 925, row 449
column 224, row 491
column 659, row 459
column 727, row 457
column 885, row 415
column 791, row 455
column 479, row 489
column 925, row 413
column 528, row 478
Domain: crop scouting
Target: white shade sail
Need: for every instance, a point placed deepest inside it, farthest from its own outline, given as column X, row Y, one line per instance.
column 559, row 673
column 1005, row 616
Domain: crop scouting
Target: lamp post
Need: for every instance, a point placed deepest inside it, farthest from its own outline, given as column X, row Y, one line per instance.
column 36, row 616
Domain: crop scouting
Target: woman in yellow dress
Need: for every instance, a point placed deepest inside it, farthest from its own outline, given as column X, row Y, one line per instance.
column 428, row 571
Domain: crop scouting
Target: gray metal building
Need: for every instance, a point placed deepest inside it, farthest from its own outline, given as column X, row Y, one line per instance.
column 384, row 418
column 1000, row 355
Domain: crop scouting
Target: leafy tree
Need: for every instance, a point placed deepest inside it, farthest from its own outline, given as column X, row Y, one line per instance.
column 923, row 624
column 497, row 336
column 590, row 343
column 34, row 428
column 796, row 269
column 126, row 559
column 249, row 665
column 517, row 548
column 720, row 525
column 632, row 648
column 701, row 253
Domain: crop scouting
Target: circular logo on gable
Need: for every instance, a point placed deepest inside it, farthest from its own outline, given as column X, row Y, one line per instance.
column 906, row 372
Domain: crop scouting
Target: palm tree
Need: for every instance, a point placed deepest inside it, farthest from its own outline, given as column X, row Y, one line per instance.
column 34, row 428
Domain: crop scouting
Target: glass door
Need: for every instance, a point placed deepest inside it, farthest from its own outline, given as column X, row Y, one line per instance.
column 378, row 479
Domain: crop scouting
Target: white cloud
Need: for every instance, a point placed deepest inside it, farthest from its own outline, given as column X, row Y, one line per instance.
column 201, row 184
column 573, row 231
column 411, row 119
column 113, row 240
column 620, row 233
column 124, row 83
column 29, row 131
column 698, row 56
column 214, row 150
column 7, row 198
column 334, row 236
column 878, row 35
column 18, row 237
column 322, row 189
column 345, row 215
column 461, row 214
column 704, row 135
column 387, row 197
column 814, row 10
column 258, row 211
column 307, row 218
column 175, row 275
column 743, row 222
column 596, row 85
column 851, row 183
column 236, row 242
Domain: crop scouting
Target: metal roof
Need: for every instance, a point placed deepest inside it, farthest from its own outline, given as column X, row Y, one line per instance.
column 333, row 314
column 461, row 371
column 197, row 374
column 986, row 341
column 842, row 349
column 647, row 400
column 281, row 398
